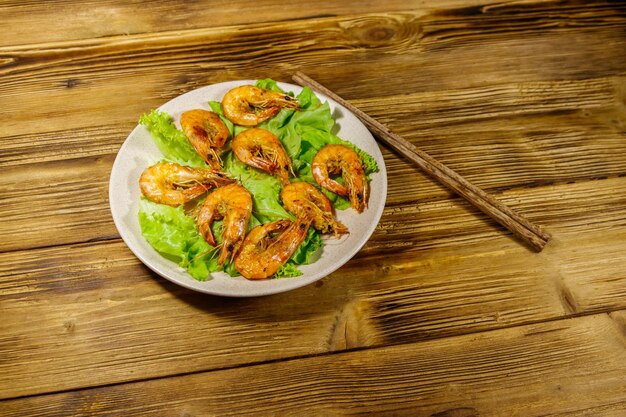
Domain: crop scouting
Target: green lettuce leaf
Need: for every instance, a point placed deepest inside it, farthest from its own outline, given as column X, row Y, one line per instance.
column 175, row 236
column 288, row 270
column 172, row 143
column 265, row 189
column 308, row 251
column 269, row 84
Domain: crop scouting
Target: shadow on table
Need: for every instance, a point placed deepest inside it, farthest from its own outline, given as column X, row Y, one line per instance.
column 329, row 294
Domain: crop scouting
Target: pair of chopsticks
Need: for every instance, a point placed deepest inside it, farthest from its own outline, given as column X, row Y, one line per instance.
column 528, row 232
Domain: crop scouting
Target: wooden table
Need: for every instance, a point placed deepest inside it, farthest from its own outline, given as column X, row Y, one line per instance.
column 442, row 313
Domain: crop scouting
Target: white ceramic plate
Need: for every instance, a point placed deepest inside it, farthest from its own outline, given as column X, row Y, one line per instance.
column 139, row 151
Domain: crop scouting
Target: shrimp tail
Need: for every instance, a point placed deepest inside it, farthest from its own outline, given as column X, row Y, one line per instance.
column 204, row 221
column 213, row 159
column 358, row 194
column 261, row 163
column 223, row 254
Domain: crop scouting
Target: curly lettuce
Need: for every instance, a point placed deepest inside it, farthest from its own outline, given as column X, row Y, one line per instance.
column 172, row 143
column 173, row 233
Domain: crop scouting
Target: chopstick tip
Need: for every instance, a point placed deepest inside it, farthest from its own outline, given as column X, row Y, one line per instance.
column 298, row 76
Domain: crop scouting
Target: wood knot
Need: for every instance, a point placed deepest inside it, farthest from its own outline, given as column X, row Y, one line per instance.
column 70, row 326
column 373, row 36
column 394, row 32
column 71, row 83
column 379, row 34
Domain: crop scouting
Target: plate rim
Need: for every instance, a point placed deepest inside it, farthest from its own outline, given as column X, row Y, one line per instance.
column 261, row 290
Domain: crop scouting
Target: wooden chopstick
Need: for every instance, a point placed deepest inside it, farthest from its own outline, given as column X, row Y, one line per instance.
column 528, row 232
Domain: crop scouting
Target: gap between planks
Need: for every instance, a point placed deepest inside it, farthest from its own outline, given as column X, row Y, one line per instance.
column 336, row 12
column 353, row 39
column 194, row 16
column 573, row 316
column 434, row 199
column 390, row 298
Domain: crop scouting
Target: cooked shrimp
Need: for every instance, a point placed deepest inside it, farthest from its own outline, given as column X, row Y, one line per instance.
column 262, row 149
column 233, row 203
column 173, row 184
column 269, row 246
column 207, row 133
column 248, row 105
column 340, row 159
column 301, row 198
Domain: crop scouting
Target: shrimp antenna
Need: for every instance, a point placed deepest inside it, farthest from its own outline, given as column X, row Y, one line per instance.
column 216, row 157
column 206, row 188
column 211, row 251
column 214, row 252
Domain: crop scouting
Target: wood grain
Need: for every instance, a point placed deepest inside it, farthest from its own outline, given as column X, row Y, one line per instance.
column 67, row 20
column 527, row 232
column 555, row 368
column 535, row 133
column 70, row 196
column 440, row 314
column 100, row 317
column 64, row 81
column 560, row 208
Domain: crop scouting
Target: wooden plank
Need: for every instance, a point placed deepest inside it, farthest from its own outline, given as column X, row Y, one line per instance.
column 567, row 367
column 549, row 75
column 113, row 80
column 534, row 133
column 559, row 208
column 98, row 316
column 546, row 116
column 90, row 142
column 539, row 133
column 67, row 20
column 69, row 196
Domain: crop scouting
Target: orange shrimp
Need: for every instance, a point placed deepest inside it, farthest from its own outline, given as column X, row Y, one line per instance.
column 303, row 198
column 340, row 159
column 207, row 133
column 173, row 184
column 248, row 105
column 261, row 149
column 233, row 203
column 269, row 246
